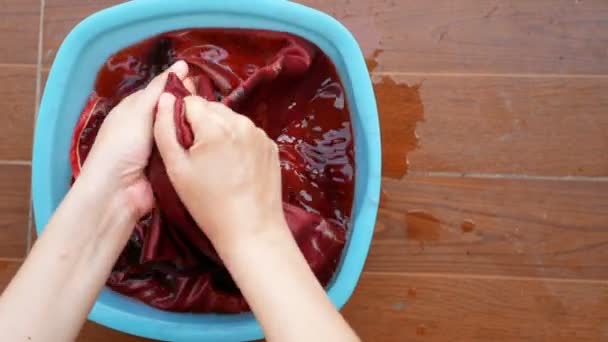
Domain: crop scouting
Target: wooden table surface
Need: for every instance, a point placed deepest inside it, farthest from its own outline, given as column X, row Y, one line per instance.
column 493, row 222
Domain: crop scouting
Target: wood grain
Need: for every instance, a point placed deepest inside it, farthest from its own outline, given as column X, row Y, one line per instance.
column 7, row 271
column 392, row 307
column 14, row 209
column 18, row 93
column 389, row 307
column 479, row 36
column 519, row 227
column 548, row 126
column 19, row 31
column 44, row 75
column 561, row 37
column 93, row 332
column 60, row 16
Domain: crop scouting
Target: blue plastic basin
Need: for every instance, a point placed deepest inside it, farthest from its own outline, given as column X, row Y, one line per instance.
column 71, row 80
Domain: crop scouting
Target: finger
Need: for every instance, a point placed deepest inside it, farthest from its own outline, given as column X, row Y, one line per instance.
column 221, row 109
column 189, row 84
column 207, row 125
column 156, row 87
column 272, row 153
column 165, row 132
column 242, row 125
column 238, row 124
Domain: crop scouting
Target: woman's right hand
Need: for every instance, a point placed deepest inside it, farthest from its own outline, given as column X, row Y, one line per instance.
column 229, row 179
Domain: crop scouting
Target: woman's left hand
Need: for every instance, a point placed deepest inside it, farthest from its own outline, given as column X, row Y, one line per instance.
column 123, row 146
column 74, row 255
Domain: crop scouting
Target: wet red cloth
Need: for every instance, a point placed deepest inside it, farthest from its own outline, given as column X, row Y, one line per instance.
column 286, row 86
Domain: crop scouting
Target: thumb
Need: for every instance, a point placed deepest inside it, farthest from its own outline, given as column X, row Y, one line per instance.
column 165, row 132
column 156, row 87
column 208, row 124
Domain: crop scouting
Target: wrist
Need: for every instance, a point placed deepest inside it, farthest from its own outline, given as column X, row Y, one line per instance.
column 103, row 191
column 87, row 232
column 98, row 212
column 245, row 222
column 266, row 237
column 73, row 257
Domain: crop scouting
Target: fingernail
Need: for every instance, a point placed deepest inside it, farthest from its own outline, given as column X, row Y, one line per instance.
column 180, row 67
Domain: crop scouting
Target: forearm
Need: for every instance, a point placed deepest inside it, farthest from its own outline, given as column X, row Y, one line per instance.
column 69, row 264
column 283, row 292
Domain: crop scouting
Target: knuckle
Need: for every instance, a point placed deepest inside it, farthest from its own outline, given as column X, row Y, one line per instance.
column 242, row 126
column 194, row 102
column 246, row 123
column 216, row 130
column 137, row 93
column 274, row 148
column 226, row 133
column 261, row 134
column 216, row 107
column 132, row 98
column 220, row 108
column 157, row 130
column 177, row 170
column 156, row 82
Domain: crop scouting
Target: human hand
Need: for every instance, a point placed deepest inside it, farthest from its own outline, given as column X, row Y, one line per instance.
column 229, row 179
column 123, row 145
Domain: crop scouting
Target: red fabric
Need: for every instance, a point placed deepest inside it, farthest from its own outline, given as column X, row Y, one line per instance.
column 286, row 86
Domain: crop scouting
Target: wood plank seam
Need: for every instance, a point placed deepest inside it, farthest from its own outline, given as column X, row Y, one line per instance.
column 5, row 259
column 30, row 219
column 507, row 176
column 504, row 75
column 17, row 65
column 485, row 277
column 39, row 59
column 16, row 162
